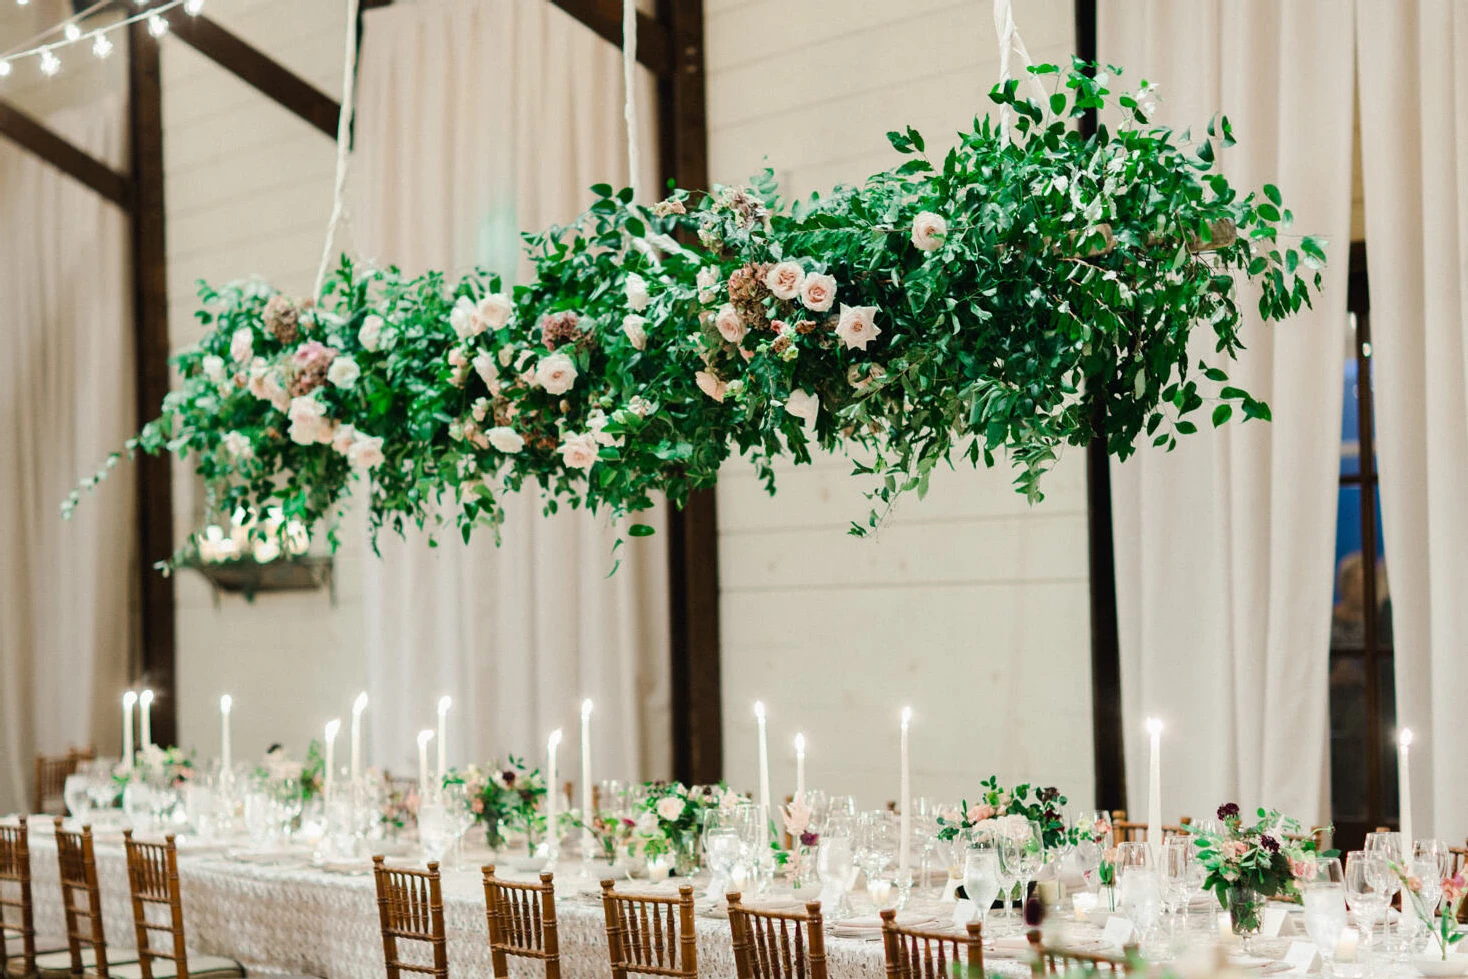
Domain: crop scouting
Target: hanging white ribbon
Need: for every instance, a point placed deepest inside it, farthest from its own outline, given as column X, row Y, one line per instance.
column 343, row 148
column 629, row 82
column 1011, row 43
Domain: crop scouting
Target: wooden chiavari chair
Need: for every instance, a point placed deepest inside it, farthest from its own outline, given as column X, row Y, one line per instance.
column 1057, row 961
column 1125, row 831
column 648, row 935
column 81, row 903
column 777, row 944
column 49, row 790
column 17, row 922
column 410, row 904
column 916, row 954
column 152, row 879
column 522, row 922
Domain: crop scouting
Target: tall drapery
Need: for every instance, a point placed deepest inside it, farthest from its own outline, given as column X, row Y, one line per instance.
column 1224, row 547
column 477, row 120
column 1413, row 64
column 66, row 400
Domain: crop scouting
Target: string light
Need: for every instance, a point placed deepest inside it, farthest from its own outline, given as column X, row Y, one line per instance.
column 192, row 7
column 101, row 46
column 50, row 64
column 4, row 68
column 43, row 46
column 71, row 32
column 22, row 3
column 157, row 26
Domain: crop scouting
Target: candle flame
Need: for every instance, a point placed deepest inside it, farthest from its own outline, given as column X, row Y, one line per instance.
column 800, row 744
column 129, row 698
column 1154, row 726
column 1405, row 738
column 424, row 737
column 332, row 727
column 555, row 738
column 759, row 710
column 226, row 704
column 586, row 708
column 360, row 704
column 444, row 703
column 906, row 716
column 146, row 698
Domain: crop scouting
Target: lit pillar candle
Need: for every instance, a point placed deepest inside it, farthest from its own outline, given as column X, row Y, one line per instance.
column 358, row 706
column 129, row 699
column 444, row 703
column 800, row 767
column 586, row 801
column 1404, row 789
column 904, row 843
column 332, row 727
column 1154, row 790
column 226, row 704
column 145, row 718
column 552, row 793
column 764, row 766
column 424, row 737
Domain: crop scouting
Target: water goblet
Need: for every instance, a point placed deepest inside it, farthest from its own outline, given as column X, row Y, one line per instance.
column 1366, row 893
column 75, row 791
column 836, row 866
column 1325, row 919
column 981, row 878
column 1022, row 852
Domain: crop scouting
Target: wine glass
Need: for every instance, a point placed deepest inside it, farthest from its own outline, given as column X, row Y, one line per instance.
column 1093, row 826
column 433, row 827
column 1325, row 870
column 981, row 878
column 1175, row 877
column 876, row 842
column 1366, row 892
column 836, row 866
column 1022, row 852
column 1432, row 855
column 1325, row 919
column 290, row 801
column 836, row 807
column 723, row 848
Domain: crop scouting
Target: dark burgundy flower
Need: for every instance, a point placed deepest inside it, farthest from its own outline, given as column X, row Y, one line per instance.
column 509, row 776
column 1228, row 810
column 1269, row 843
column 1034, row 912
column 809, row 839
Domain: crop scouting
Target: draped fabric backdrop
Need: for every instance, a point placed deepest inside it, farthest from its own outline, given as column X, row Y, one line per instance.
column 1224, row 547
column 66, row 400
column 477, row 120
column 1413, row 60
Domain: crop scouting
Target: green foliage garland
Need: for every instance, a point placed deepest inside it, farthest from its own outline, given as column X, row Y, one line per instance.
column 1015, row 296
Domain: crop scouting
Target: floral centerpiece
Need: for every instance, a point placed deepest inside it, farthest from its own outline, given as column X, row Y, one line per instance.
column 397, row 806
column 611, row 832
column 1431, row 895
column 171, row 767
column 278, row 768
column 800, row 861
column 1044, row 808
column 1248, row 863
column 672, row 818
column 505, row 798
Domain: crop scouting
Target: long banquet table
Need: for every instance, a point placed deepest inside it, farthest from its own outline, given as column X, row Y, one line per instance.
column 293, row 917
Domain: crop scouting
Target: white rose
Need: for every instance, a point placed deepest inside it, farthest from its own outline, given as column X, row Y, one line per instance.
column 857, row 326
column 242, row 345
column 637, row 294
column 343, row 438
column 640, row 406
column 730, row 326
column 238, row 446
column 309, row 424
column 647, row 824
column 578, row 451
column 484, row 367
column 818, row 292
column 343, row 372
column 670, row 807
column 636, row 329
column 784, row 280
column 480, row 408
column 214, row 368
column 596, row 422
column 495, row 310
column 366, row 452
column 928, row 231
column 556, row 373
column 370, row 335
column 505, row 439
column 460, row 363
column 804, row 405
column 465, row 319
column 708, row 278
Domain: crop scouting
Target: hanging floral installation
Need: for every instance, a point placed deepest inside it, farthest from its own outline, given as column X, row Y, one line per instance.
column 1028, row 290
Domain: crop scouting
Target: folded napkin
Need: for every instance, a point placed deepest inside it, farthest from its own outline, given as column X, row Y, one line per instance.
column 872, row 923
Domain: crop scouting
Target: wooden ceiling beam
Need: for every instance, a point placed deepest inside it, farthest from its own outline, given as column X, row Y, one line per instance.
column 61, row 153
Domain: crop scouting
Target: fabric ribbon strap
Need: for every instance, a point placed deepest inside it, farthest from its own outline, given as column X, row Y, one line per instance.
column 343, row 148
column 1011, row 43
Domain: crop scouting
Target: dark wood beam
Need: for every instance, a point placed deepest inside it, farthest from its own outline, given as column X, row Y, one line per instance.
column 150, row 352
column 1106, row 718
column 693, row 532
column 261, row 72
column 61, row 153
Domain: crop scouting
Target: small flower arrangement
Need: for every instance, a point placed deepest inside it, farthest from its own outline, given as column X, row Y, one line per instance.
column 1264, row 857
column 159, row 766
column 278, row 766
column 505, row 797
column 672, row 815
column 1427, row 898
column 995, row 802
column 611, row 831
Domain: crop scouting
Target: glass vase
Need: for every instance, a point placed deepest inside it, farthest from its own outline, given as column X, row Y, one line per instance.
column 685, row 854
column 1245, row 912
column 802, row 864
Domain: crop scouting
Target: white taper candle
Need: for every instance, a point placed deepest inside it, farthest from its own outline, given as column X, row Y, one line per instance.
column 333, row 726
column 444, row 703
column 358, row 706
column 145, row 718
column 764, row 766
column 904, row 843
column 800, row 767
column 587, row 815
column 128, row 700
column 1404, row 792
column 552, row 794
column 424, row 737
column 1154, row 791
column 226, row 705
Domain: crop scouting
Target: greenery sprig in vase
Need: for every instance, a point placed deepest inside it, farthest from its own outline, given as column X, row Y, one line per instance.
column 1248, row 863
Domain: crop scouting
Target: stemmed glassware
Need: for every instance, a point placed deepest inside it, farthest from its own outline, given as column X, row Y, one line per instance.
column 1325, row 913
column 981, row 877
column 76, row 792
column 1369, row 885
column 836, row 863
column 1022, row 852
column 1139, row 886
column 1176, row 878
column 1387, row 847
column 723, row 848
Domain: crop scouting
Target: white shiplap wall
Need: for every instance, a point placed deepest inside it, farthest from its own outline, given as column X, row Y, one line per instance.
column 971, row 606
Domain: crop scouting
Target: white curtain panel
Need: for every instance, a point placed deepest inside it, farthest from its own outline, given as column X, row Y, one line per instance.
column 477, row 120
column 66, row 400
column 1224, row 547
column 1413, row 63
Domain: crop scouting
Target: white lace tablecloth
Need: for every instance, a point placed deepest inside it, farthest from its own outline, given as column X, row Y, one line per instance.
column 295, row 918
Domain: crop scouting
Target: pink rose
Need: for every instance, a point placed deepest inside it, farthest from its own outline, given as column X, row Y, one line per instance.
column 1301, row 869
column 460, row 363
column 711, row 385
column 488, row 373
column 309, row 424
column 495, row 309
column 818, row 292
column 785, row 279
column 579, row 451
column 708, row 281
column 857, row 326
column 729, row 325
column 465, row 319
column 313, row 355
column 343, row 437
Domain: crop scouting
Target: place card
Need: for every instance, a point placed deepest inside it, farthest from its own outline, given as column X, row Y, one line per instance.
column 963, row 913
column 1118, row 931
column 1275, row 916
column 1302, row 957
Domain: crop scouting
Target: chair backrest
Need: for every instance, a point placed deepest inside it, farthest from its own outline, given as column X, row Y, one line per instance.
column 1124, row 830
column 81, row 899
column 152, row 878
column 17, row 914
column 522, row 922
column 777, row 944
column 410, row 904
column 1046, row 960
column 916, row 954
column 48, row 793
column 651, row 936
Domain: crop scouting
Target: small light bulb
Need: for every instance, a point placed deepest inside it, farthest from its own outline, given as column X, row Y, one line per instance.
column 4, row 68
column 22, row 3
column 71, row 32
column 157, row 26
column 192, row 7
column 101, row 46
column 50, row 64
